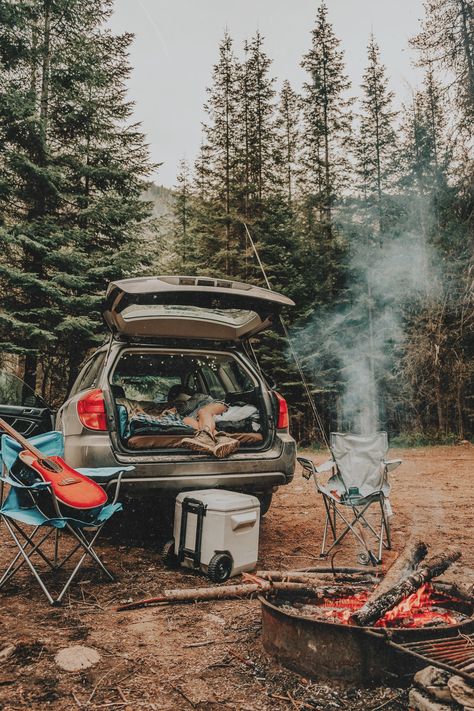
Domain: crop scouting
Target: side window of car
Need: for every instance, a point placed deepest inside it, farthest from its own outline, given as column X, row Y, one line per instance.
column 240, row 380
column 215, row 387
column 88, row 376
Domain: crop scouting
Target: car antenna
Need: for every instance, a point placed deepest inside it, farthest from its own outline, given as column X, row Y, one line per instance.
column 316, row 415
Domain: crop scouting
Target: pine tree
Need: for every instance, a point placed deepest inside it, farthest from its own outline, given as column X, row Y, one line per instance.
column 447, row 42
column 376, row 145
column 326, row 120
column 258, row 139
column 288, row 122
column 217, row 165
column 77, row 180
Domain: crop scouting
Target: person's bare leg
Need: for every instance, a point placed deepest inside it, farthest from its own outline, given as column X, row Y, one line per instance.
column 206, row 416
column 205, row 438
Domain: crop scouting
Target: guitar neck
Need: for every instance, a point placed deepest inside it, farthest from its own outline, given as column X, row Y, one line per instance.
column 20, row 439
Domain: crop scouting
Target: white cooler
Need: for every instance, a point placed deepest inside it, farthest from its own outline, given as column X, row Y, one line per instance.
column 216, row 531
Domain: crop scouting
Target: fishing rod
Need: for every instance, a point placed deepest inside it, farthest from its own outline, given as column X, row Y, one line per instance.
column 316, row 415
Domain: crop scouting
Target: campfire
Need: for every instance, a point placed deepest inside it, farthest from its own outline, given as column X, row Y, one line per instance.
column 366, row 633
column 424, row 608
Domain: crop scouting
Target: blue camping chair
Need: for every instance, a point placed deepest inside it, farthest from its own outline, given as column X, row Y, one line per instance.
column 30, row 527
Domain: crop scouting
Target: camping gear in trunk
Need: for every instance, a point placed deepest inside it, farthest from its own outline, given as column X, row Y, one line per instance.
column 216, row 532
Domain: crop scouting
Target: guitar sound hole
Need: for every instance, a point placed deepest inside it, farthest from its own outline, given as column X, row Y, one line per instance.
column 52, row 466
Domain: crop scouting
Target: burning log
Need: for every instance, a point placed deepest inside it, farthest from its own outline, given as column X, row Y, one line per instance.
column 406, row 563
column 381, row 604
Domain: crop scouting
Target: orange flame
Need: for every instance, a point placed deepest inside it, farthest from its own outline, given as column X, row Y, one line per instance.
column 416, row 610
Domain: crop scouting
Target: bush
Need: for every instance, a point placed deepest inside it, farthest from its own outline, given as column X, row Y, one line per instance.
column 423, row 439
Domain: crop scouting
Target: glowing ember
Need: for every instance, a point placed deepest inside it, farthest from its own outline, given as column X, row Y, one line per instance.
column 416, row 610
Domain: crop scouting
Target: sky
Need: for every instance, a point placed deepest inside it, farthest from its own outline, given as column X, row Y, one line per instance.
column 176, row 46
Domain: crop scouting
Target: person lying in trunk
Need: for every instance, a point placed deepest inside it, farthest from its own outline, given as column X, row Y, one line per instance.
column 199, row 411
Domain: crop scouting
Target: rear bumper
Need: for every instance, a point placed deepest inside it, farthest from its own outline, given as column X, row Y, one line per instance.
column 249, row 471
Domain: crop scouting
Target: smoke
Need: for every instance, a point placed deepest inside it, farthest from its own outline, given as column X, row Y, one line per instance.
column 351, row 350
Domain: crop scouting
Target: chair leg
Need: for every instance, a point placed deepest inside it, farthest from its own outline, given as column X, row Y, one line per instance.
column 88, row 550
column 386, row 525
column 28, row 562
column 12, row 568
column 329, row 522
column 325, row 533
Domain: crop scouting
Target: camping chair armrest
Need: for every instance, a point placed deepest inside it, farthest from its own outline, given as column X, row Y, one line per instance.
column 391, row 464
column 312, row 469
column 37, row 486
column 308, row 467
column 326, row 466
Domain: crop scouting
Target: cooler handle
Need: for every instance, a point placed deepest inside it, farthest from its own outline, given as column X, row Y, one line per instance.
column 243, row 520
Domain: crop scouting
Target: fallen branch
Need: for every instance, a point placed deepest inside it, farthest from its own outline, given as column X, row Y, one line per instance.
column 431, row 568
column 312, row 579
column 336, row 569
column 226, row 592
column 315, row 589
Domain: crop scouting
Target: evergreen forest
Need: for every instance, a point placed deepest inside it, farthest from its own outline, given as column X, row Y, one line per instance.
column 358, row 208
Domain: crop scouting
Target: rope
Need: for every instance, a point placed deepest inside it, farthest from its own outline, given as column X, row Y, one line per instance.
column 314, row 409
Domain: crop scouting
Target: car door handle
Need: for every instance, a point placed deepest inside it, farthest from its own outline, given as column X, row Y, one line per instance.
column 29, row 411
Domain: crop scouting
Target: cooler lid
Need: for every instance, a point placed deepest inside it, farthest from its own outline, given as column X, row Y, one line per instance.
column 220, row 499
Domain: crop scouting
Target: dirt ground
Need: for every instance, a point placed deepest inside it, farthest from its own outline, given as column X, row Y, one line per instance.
column 209, row 655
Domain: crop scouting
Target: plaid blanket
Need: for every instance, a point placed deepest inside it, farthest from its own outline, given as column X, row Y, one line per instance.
column 141, row 423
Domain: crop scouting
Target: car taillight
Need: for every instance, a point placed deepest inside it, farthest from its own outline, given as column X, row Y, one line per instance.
column 91, row 410
column 283, row 420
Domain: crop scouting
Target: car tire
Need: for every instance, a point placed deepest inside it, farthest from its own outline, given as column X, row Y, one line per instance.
column 220, row 567
column 265, row 502
column 170, row 559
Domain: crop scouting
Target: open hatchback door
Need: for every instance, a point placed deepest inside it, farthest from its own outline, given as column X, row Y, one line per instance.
column 190, row 307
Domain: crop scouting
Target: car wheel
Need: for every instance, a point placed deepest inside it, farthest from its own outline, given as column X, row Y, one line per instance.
column 170, row 559
column 220, row 567
column 265, row 502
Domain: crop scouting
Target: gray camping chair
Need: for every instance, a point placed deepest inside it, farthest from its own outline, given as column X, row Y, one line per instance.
column 359, row 479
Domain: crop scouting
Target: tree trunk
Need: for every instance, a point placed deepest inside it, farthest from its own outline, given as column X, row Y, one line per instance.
column 45, row 74
column 29, row 373
column 468, row 48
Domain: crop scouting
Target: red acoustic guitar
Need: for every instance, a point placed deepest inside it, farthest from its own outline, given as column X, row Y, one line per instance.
column 71, row 488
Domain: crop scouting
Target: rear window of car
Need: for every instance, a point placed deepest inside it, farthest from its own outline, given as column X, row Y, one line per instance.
column 146, row 376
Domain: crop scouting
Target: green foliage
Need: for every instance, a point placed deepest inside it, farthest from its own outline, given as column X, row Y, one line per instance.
column 71, row 176
column 340, row 224
column 423, row 439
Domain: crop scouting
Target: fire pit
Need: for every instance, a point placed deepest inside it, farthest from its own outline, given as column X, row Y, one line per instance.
column 315, row 637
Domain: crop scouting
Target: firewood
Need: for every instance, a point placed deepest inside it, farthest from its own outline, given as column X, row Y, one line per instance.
column 324, row 570
column 313, row 579
column 225, row 592
column 411, row 555
column 431, row 568
column 241, row 591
